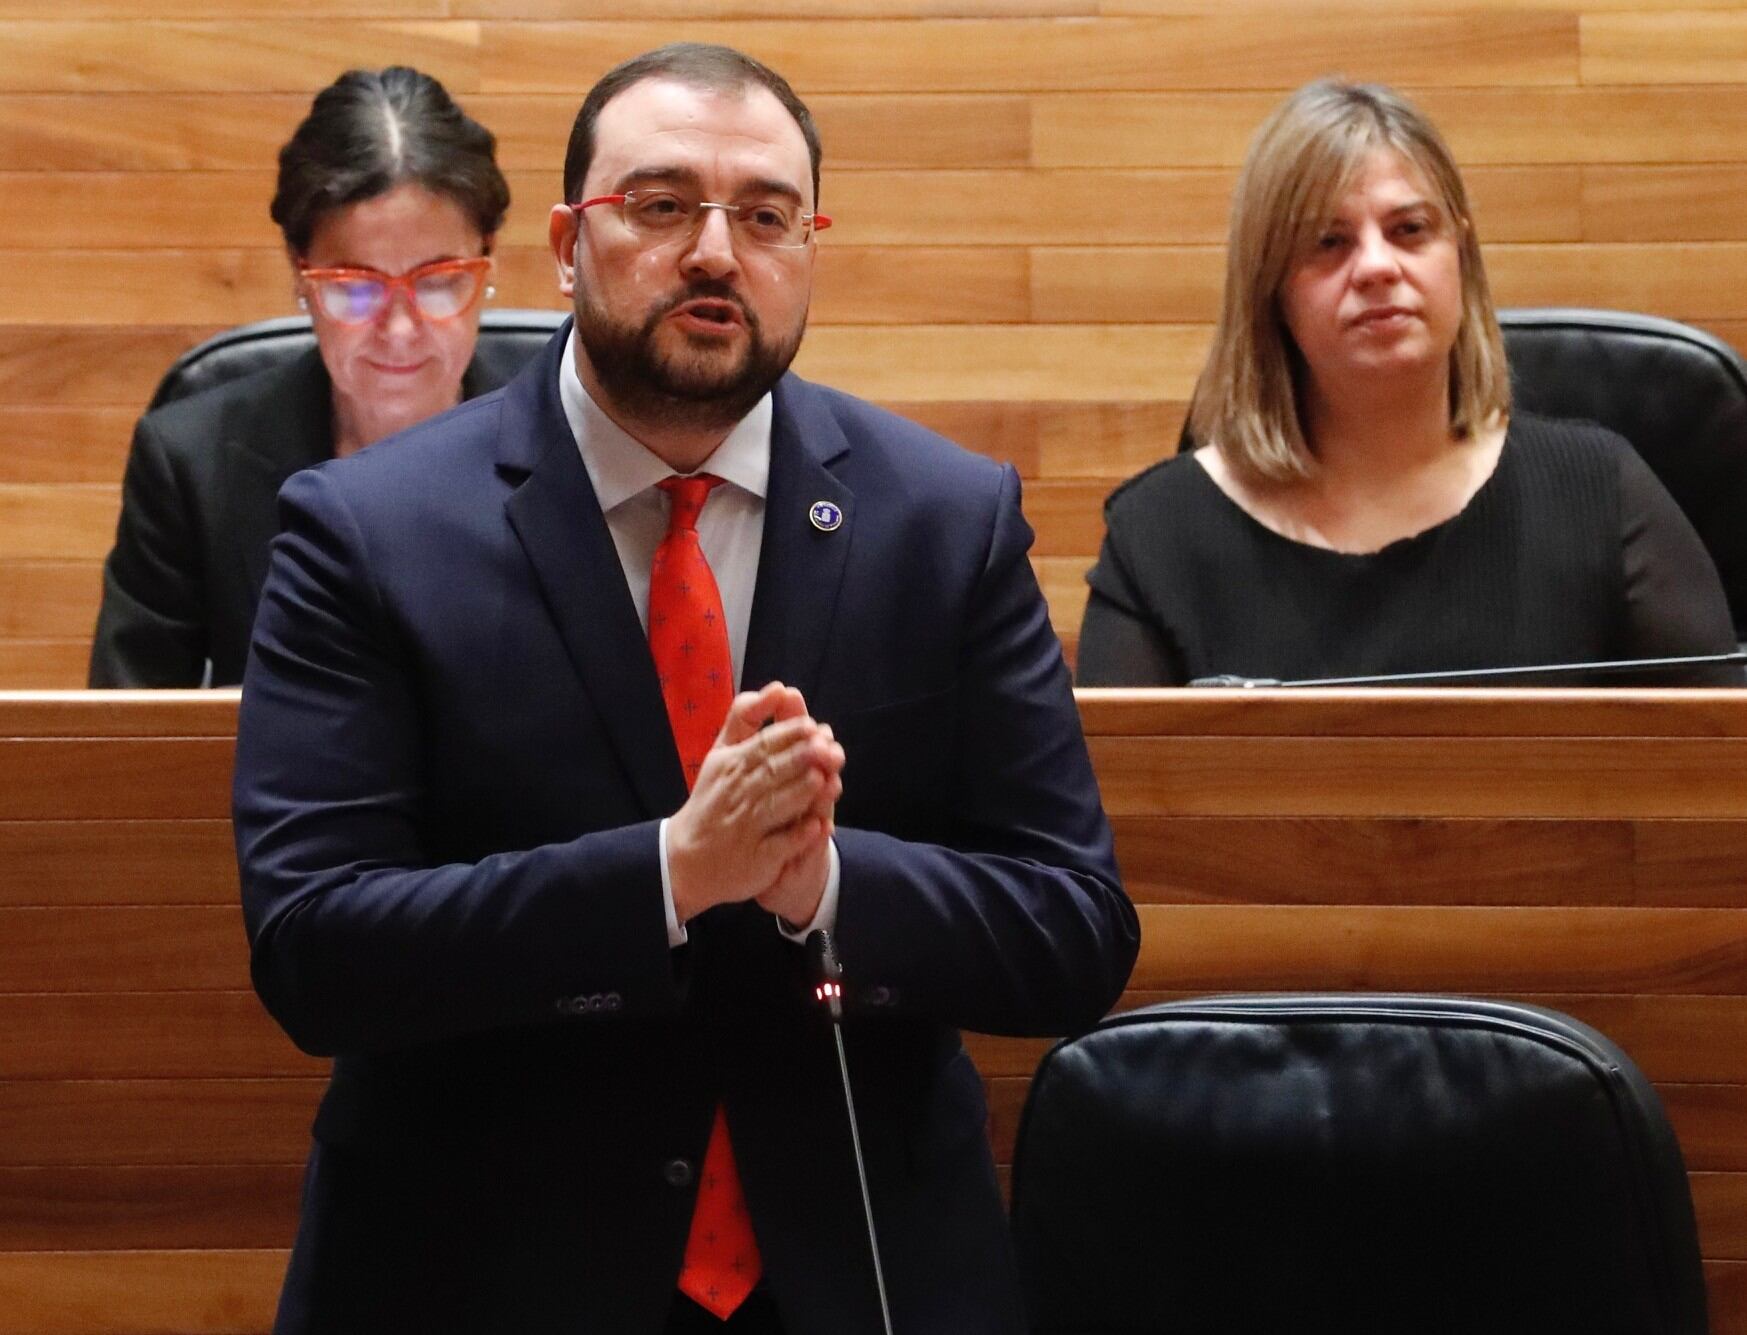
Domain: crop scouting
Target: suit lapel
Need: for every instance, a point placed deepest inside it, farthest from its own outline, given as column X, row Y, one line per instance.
column 801, row 564
column 291, row 428
column 558, row 521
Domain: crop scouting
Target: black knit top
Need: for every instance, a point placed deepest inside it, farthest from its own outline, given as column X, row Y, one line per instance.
column 1570, row 552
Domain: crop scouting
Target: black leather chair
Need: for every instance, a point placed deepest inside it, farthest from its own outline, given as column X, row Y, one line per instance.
column 1405, row 1165
column 507, row 339
column 1677, row 393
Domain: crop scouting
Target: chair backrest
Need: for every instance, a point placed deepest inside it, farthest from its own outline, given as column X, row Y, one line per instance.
column 1677, row 393
column 507, row 339
column 1263, row 1164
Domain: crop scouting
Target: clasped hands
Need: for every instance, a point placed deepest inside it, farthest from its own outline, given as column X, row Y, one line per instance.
column 759, row 820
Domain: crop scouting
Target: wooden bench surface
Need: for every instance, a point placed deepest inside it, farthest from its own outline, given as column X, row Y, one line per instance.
column 1585, row 850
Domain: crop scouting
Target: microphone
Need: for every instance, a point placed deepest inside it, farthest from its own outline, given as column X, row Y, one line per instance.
column 1499, row 675
column 827, row 972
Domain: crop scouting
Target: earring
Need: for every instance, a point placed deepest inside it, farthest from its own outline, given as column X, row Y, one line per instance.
column 490, row 291
column 303, row 303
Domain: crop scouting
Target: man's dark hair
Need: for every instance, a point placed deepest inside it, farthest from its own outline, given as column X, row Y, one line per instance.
column 369, row 132
column 718, row 68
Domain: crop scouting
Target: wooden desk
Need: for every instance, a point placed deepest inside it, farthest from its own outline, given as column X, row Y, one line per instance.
column 1587, row 850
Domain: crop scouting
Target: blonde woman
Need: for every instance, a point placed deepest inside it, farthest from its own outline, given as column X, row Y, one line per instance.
column 1365, row 501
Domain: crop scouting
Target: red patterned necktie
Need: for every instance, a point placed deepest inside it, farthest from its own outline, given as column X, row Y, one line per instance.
column 688, row 638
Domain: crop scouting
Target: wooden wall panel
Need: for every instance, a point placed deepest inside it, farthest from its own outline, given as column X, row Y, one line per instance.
column 35, row 664
column 54, row 863
column 140, row 1292
column 60, row 366
column 1483, row 125
column 48, row 599
column 148, row 1208
column 1110, row 55
column 58, row 445
column 197, row 56
column 1681, row 46
column 152, row 1118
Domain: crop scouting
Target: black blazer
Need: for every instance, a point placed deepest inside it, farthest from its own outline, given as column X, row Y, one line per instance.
column 197, row 512
column 452, row 756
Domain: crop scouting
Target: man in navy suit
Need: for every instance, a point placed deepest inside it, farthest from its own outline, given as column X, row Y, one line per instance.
column 543, row 956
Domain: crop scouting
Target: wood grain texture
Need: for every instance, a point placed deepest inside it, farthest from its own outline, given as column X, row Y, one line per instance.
column 1111, row 55
column 140, row 1292
column 1104, row 442
column 1696, row 202
column 57, row 523
column 1080, row 363
column 786, row 9
column 1692, row 281
column 1726, row 1287
column 1505, row 126
column 134, row 1207
column 101, row 131
column 43, row 665
column 1504, row 712
column 61, row 445
column 70, row 1123
column 144, row 1035
column 221, row 56
column 1720, row 1200
column 50, row 779
column 1567, row 778
column 49, row 599
column 1503, row 951
column 87, row 715
column 60, row 863
column 171, row 209
column 127, row 11
column 1683, row 46
column 133, row 948
column 61, row 367
column 1261, row 860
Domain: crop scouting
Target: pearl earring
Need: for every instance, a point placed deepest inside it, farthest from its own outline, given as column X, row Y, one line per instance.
column 303, row 303
column 490, row 291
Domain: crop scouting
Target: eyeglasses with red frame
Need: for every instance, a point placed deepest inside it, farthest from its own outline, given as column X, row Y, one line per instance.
column 660, row 216
column 442, row 290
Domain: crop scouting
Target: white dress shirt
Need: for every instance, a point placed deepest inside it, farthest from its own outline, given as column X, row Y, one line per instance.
column 624, row 473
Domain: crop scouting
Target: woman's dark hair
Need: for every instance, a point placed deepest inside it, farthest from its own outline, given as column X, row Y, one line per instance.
column 369, row 132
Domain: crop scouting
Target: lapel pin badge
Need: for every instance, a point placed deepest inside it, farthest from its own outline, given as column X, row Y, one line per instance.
column 826, row 517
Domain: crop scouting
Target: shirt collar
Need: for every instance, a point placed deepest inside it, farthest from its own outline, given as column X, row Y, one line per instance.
column 620, row 466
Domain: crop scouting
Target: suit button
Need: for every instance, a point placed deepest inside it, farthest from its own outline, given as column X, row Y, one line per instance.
column 570, row 1005
column 613, row 1001
column 677, row 1172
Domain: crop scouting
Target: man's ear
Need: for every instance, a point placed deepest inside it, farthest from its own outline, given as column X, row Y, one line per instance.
column 561, row 233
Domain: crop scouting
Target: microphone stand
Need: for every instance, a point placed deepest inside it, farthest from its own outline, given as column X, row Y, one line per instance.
column 822, row 950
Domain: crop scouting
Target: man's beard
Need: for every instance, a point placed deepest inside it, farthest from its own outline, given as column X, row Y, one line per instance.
column 678, row 389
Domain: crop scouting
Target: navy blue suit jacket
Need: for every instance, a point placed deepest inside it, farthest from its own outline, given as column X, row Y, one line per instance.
column 452, row 758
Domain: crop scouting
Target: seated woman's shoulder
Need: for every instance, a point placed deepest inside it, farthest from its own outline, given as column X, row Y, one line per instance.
column 1576, row 436
column 1164, row 483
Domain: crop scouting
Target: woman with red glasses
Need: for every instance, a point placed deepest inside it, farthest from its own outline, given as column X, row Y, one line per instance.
column 388, row 197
